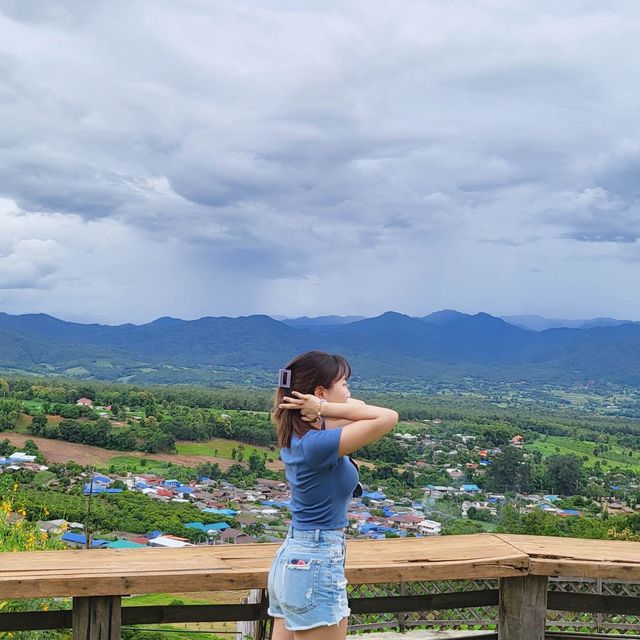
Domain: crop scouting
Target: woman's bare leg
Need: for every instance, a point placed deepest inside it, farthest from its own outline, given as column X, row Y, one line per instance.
column 334, row 632
column 280, row 632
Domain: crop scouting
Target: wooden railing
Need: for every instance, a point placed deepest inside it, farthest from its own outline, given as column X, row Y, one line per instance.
column 96, row 581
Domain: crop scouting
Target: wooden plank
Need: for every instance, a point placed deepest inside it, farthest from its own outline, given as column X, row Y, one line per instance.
column 180, row 582
column 427, row 602
column 35, row 620
column 582, row 569
column 593, row 603
column 96, row 618
column 587, row 551
column 222, row 567
column 522, row 612
column 436, row 571
column 554, row 556
column 567, row 635
column 401, row 550
column 194, row 613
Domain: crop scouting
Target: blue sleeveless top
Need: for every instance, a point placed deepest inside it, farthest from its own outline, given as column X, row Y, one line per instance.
column 321, row 481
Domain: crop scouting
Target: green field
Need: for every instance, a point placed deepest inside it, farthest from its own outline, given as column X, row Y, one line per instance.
column 135, row 464
column 32, row 405
column 43, row 477
column 221, row 449
column 22, row 425
column 195, row 631
column 616, row 456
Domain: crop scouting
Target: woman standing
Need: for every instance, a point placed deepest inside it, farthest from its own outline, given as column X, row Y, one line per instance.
column 318, row 426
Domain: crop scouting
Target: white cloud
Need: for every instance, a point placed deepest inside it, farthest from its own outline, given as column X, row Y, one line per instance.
column 226, row 158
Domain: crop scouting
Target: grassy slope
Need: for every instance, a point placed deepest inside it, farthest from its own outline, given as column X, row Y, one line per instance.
column 561, row 445
column 224, row 448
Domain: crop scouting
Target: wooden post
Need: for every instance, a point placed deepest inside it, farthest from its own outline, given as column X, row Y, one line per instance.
column 96, row 618
column 599, row 617
column 523, row 608
column 402, row 616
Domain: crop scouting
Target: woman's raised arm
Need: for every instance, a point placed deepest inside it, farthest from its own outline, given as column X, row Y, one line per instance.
column 367, row 422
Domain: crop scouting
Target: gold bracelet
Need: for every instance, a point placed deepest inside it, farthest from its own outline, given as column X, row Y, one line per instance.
column 320, row 407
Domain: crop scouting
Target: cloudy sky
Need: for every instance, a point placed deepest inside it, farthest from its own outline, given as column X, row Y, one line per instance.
column 298, row 157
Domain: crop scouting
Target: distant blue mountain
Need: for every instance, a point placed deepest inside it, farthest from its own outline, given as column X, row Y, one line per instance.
column 540, row 323
column 319, row 321
column 443, row 346
column 443, row 317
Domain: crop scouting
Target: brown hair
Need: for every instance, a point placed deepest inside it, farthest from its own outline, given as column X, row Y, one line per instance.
column 308, row 371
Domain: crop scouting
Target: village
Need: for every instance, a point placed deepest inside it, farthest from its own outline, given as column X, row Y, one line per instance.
column 260, row 513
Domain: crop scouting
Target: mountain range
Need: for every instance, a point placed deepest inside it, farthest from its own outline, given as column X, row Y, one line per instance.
column 391, row 349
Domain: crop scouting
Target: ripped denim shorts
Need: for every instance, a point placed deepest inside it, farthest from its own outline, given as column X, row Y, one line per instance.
column 306, row 585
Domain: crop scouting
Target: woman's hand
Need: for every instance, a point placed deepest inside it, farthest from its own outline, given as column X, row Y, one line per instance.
column 306, row 403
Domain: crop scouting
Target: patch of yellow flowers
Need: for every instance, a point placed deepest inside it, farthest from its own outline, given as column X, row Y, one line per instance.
column 19, row 534
column 625, row 534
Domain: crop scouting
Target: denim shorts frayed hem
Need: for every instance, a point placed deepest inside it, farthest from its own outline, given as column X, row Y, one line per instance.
column 314, row 626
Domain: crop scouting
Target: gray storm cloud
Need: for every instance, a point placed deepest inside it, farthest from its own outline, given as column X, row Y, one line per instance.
column 295, row 158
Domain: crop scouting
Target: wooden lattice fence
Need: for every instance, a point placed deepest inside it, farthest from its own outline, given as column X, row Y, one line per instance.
column 484, row 618
column 594, row 622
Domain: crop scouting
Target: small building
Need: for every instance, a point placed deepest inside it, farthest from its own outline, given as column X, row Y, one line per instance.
column 405, row 521
column 429, row 528
column 123, row 544
column 21, row 456
column 235, row 536
column 79, row 541
column 85, row 402
column 170, row 542
column 470, row 488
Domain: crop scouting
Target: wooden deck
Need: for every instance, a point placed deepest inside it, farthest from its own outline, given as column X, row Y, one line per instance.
column 578, row 558
column 228, row 567
column 97, row 579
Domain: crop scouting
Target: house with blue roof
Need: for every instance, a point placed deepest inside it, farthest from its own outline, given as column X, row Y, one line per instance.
column 98, row 488
column 374, row 495
column 375, row 535
column 183, row 488
column 214, row 526
column 80, row 540
column 124, row 544
column 221, row 512
column 471, row 488
column 279, row 504
column 547, row 507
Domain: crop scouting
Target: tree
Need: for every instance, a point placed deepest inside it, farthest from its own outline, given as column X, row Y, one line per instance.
column 38, row 423
column 509, row 471
column 6, row 448
column 30, row 448
column 256, row 464
column 565, row 474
